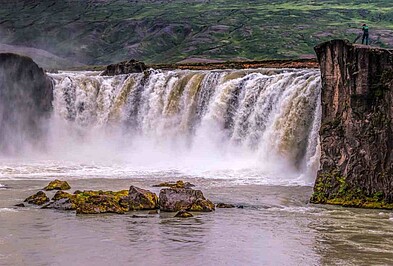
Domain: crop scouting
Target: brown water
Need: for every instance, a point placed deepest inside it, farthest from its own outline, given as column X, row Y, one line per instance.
column 275, row 227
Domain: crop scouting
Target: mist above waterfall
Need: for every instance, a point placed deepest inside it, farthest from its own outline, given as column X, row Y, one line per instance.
column 251, row 125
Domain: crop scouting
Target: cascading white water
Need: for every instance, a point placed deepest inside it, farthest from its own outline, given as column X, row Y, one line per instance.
column 247, row 125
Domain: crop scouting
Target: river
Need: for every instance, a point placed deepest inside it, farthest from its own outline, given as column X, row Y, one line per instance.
column 246, row 137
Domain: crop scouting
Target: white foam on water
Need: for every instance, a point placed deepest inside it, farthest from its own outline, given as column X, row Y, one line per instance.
column 6, row 210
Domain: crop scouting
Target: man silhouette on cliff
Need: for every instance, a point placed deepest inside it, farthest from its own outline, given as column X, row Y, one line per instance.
column 365, row 34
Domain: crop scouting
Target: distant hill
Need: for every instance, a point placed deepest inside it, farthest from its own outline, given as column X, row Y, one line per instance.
column 73, row 33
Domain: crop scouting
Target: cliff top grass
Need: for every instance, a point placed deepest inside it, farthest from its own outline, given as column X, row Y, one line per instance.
column 97, row 32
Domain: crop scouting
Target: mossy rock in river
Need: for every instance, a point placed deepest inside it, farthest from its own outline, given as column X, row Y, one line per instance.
column 58, row 185
column 37, row 199
column 225, row 205
column 91, row 202
column 183, row 214
column 178, row 184
column 142, row 199
column 176, row 199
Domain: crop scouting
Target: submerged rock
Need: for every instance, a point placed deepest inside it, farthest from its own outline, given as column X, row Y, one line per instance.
column 38, row 198
column 225, row 205
column 20, row 205
column 58, row 185
column 61, row 204
column 142, row 199
column 178, row 184
column 183, row 214
column 176, row 199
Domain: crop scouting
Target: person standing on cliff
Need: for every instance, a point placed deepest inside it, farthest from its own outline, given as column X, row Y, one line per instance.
column 365, row 34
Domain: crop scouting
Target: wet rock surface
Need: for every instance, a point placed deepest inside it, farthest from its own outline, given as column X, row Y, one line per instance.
column 37, row 199
column 142, row 199
column 183, row 214
column 58, row 185
column 225, row 205
column 356, row 129
column 125, row 67
column 91, row 202
column 178, row 184
column 176, row 199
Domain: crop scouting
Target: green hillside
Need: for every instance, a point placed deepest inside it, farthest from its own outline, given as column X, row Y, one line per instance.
column 167, row 31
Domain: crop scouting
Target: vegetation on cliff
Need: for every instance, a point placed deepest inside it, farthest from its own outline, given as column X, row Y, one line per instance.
column 356, row 131
column 70, row 33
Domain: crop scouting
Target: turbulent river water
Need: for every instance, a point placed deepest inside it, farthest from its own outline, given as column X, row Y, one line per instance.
column 248, row 137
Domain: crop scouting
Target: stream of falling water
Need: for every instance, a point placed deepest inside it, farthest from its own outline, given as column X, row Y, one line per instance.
column 249, row 126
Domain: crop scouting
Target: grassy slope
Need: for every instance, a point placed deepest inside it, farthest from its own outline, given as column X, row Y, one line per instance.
column 100, row 32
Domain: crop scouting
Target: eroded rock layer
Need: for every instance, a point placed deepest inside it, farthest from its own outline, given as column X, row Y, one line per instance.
column 356, row 130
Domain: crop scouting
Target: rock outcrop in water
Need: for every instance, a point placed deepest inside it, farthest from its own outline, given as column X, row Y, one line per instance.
column 356, row 131
column 142, row 199
column 25, row 99
column 125, row 67
column 37, row 199
column 58, row 185
column 120, row 202
column 177, row 199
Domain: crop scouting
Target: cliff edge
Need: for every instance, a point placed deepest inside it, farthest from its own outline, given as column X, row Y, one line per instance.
column 356, row 129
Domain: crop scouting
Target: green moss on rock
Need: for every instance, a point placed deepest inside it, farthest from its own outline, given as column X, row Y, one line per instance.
column 91, row 202
column 58, row 185
column 178, row 184
column 183, row 214
column 332, row 188
column 142, row 199
column 37, row 199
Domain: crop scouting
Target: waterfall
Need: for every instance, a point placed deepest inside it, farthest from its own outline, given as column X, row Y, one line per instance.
column 259, row 124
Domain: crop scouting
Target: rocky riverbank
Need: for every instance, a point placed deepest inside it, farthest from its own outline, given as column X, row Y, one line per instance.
column 356, row 133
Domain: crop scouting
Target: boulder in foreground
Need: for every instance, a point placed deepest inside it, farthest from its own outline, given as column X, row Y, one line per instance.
column 176, row 199
column 142, row 199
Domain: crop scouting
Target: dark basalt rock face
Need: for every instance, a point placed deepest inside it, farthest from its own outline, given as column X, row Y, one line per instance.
column 356, row 130
column 25, row 99
column 125, row 67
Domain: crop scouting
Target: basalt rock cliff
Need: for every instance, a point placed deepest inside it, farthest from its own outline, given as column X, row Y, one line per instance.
column 25, row 99
column 356, row 131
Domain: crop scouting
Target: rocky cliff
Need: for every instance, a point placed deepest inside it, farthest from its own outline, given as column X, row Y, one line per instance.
column 25, row 99
column 356, row 132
